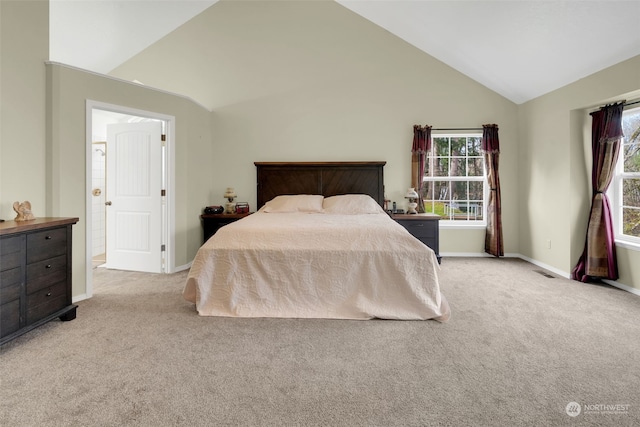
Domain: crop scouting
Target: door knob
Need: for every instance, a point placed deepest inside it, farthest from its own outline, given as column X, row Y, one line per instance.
column 108, row 203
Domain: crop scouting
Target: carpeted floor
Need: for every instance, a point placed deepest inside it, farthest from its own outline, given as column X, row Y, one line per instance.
column 519, row 349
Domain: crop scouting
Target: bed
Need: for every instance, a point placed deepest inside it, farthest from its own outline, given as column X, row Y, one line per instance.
column 319, row 246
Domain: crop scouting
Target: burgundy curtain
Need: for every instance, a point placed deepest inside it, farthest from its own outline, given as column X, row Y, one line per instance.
column 491, row 148
column 421, row 146
column 598, row 259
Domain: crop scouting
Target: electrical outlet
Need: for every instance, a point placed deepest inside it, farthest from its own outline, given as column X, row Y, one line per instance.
column 548, row 243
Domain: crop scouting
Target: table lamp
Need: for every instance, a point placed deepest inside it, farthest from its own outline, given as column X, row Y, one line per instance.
column 412, row 195
column 230, row 207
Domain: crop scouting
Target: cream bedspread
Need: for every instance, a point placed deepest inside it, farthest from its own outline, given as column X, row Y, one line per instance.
column 314, row 265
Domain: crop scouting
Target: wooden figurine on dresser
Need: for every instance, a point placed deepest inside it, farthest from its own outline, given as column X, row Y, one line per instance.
column 35, row 272
column 23, row 211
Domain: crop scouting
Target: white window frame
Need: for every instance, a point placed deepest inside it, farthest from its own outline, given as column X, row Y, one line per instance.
column 461, row 223
column 615, row 195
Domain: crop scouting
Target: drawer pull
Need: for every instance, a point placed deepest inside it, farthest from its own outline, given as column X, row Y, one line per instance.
column 48, row 294
column 47, row 238
column 47, row 266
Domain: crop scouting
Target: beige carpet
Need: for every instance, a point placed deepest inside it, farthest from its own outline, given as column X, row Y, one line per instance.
column 520, row 347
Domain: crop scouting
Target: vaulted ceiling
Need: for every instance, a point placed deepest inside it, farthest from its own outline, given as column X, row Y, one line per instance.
column 520, row 49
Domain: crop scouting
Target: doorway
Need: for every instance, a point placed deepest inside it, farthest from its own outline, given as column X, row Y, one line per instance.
column 101, row 159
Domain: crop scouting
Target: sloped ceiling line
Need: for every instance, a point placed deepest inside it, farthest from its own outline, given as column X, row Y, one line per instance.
column 519, row 49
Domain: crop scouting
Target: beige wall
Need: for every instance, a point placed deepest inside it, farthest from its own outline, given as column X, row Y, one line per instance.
column 43, row 134
column 69, row 90
column 555, row 189
column 303, row 81
column 24, row 38
column 357, row 100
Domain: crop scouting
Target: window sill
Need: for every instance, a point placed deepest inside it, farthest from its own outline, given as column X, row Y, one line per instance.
column 459, row 225
column 628, row 245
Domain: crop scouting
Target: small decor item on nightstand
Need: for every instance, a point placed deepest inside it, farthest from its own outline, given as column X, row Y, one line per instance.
column 213, row 210
column 23, row 210
column 412, row 195
column 242, row 207
column 230, row 207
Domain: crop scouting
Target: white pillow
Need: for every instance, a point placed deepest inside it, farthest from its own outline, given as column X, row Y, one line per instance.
column 294, row 203
column 351, row 204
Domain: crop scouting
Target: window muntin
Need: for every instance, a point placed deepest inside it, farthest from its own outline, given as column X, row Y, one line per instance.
column 454, row 181
column 626, row 183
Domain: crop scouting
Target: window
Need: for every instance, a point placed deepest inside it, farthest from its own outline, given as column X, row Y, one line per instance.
column 625, row 189
column 454, row 178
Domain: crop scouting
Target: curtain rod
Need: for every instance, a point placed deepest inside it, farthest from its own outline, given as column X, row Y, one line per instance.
column 457, row 129
column 624, row 104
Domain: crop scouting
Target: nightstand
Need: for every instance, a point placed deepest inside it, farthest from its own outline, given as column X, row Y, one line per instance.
column 212, row 222
column 424, row 227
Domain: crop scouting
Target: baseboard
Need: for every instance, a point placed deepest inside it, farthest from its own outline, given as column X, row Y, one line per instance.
column 475, row 255
column 508, row 255
column 465, row 255
column 566, row 275
column 627, row 288
column 83, row 297
column 554, row 270
column 183, row 267
column 77, row 298
column 561, row 273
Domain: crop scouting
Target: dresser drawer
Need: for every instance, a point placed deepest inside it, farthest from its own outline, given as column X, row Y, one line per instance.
column 46, row 244
column 9, row 317
column 10, row 284
column 46, row 301
column 11, row 252
column 35, row 274
column 45, row 295
column 45, row 273
column 421, row 229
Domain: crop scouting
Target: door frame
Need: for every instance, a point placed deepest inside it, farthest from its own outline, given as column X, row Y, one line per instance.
column 168, row 212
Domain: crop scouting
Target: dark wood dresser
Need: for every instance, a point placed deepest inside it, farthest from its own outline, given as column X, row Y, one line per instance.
column 212, row 222
column 424, row 227
column 35, row 274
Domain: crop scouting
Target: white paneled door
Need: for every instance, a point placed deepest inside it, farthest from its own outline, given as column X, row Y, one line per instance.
column 133, row 196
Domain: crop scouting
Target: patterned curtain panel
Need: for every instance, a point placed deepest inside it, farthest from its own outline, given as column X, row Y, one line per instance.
column 491, row 148
column 598, row 260
column 419, row 150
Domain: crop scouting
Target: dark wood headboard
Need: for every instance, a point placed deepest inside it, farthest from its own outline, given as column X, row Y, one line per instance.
column 325, row 178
